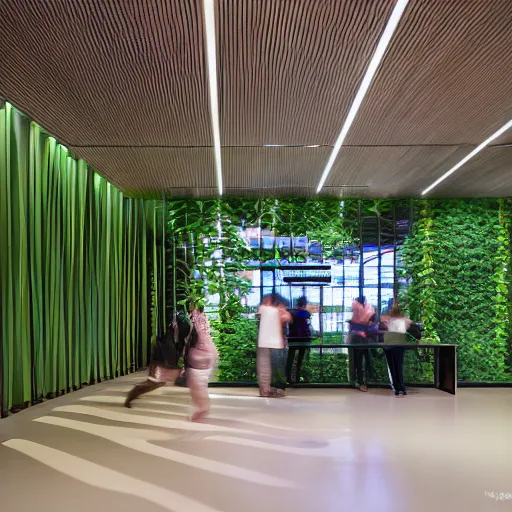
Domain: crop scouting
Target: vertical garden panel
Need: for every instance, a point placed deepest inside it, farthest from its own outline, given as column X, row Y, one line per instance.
column 73, row 267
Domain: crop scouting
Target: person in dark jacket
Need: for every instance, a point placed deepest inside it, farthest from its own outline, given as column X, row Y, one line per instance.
column 299, row 331
column 165, row 356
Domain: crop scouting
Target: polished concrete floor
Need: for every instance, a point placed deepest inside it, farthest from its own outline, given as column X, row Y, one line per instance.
column 316, row 450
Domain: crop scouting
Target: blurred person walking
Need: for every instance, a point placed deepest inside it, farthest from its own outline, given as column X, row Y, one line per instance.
column 362, row 313
column 273, row 318
column 299, row 331
column 202, row 357
column 165, row 355
column 396, row 322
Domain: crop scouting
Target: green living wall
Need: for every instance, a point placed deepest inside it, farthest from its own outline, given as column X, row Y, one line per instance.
column 81, row 270
column 457, row 260
column 452, row 272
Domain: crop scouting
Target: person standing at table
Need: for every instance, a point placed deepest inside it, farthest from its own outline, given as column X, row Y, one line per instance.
column 362, row 313
column 273, row 318
column 396, row 322
column 298, row 332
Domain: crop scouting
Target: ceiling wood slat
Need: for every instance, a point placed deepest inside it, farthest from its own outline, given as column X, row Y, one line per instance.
column 446, row 79
column 104, row 72
column 125, row 86
column 290, row 70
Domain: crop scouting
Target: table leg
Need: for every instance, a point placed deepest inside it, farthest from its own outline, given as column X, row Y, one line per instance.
column 445, row 369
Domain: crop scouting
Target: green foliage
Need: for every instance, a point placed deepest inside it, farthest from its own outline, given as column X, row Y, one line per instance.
column 501, row 279
column 326, row 369
column 456, row 264
column 458, row 260
column 216, row 253
column 327, row 225
column 236, row 344
column 418, row 257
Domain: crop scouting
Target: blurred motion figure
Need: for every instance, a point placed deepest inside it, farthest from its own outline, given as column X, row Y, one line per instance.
column 201, row 356
column 396, row 322
column 273, row 318
column 360, row 329
column 165, row 356
column 299, row 332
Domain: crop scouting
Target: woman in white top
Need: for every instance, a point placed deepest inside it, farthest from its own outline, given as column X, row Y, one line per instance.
column 396, row 322
column 273, row 317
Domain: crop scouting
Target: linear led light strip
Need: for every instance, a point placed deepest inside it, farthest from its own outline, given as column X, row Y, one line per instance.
column 209, row 17
column 365, row 84
column 475, row 151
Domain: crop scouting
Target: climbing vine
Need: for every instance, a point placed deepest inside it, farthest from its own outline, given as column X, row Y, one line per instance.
column 418, row 256
column 457, row 261
column 501, row 279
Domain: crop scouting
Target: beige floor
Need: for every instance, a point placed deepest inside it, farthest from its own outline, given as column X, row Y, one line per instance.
column 317, row 450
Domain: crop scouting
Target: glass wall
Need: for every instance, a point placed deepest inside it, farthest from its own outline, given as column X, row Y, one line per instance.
column 330, row 285
column 329, row 251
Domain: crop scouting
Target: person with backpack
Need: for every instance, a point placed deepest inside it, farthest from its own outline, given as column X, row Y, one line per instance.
column 165, row 355
column 299, row 331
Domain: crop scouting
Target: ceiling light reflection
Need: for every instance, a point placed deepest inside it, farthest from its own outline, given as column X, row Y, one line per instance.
column 477, row 150
column 209, row 17
column 365, row 84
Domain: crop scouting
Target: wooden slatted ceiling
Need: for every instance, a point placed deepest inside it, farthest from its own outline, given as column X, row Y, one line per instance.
column 274, row 168
column 391, row 171
column 108, row 72
column 125, row 85
column 489, row 174
column 505, row 139
column 447, row 77
column 289, row 70
column 291, row 170
column 139, row 170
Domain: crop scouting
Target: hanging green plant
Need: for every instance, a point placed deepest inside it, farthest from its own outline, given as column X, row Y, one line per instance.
column 501, row 279
column 418, row 259
column 327, row 225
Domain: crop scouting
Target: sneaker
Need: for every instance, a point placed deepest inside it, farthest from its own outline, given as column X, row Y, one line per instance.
column 363, row 388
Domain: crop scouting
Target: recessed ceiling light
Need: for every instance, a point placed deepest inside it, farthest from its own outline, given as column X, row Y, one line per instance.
column 315, row 146
column 479, row 148
column 209, row 18
column 365, row 84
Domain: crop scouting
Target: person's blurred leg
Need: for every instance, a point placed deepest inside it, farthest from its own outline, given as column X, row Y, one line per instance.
column 399, row 368
column 359, row 360
column 390, row 358
column 364, row 368
column 264, row 370
column 141, row 389
column 198, row 384
column 300, row 358
column 289, row 364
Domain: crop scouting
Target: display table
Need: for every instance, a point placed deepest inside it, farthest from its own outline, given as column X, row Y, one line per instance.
column 445, row 358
